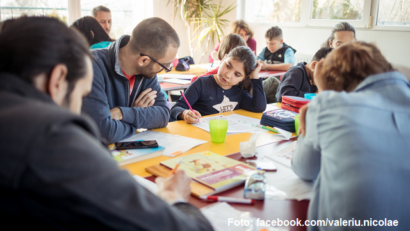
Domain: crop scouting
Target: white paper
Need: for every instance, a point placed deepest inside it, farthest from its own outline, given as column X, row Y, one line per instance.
column 176, row 81
column 172, row 143
column 287, row 185
column 219, row 213
column 236, row 124
column 149, row 185
column 176, row 76
column 284, row 156
column 272, row 106
column 284, row 133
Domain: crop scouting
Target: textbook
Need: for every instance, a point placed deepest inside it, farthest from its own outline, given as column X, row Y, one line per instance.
column 214, row 171
column 134, row 155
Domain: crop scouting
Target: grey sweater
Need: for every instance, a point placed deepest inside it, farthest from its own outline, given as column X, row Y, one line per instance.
column 111, row 89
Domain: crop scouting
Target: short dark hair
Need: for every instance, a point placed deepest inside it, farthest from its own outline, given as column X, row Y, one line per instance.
column 30, row 46
column 321, row 53
column 100, row 8
column 87, row 24
column 274, row 33
column 152, row 36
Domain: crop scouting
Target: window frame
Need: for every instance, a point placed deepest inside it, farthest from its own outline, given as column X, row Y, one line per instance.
column 370, row 14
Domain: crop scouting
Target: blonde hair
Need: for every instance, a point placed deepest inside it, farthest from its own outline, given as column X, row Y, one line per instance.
column 347, row 66
column 241, row 24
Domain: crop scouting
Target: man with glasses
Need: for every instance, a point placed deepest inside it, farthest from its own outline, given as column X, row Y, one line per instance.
column 126, row 94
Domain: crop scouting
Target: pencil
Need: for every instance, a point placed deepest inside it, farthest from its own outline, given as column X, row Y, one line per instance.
column 175, row 168
column 189, row 105
column 270, row 129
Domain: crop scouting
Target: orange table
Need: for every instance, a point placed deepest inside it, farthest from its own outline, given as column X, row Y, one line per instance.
column 268, row 209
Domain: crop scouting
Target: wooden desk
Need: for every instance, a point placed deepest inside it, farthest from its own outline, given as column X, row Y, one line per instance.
column 268, row 209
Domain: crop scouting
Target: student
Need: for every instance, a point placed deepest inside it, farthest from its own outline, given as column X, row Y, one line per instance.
column 103, row 15
column 298, row 80
column 93, row 32
column 342, row 32
column 277, row 55
column 54, row 172
column 355, row 143
column 228, row 43
column 226, row 91
column 126, row 94
column 238, row 27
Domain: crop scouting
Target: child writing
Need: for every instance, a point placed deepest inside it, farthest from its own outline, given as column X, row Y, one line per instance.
column 226, row 91
column 298, row 80
column 277, row 55
column 228, row 43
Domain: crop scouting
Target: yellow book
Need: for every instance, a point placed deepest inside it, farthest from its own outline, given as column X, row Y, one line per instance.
column 214, row 171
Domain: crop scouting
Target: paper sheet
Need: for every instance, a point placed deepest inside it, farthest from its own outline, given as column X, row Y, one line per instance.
column 176, row 76
column 284, row 180
column 284, row 156
column 172, row 143
column 237, row 124
column 176, row 81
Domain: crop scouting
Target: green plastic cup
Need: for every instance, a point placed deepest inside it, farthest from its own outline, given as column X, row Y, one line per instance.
column 297, row 121
column 218, row 129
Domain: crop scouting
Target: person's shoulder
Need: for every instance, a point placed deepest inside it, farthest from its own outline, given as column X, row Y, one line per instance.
column 298, row 69
column 289, row 50
column 251, row 41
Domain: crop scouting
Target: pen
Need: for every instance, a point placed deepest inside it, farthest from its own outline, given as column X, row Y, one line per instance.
column 270, row 129
column 175, row 168
column 189, row 105
column 228, row 199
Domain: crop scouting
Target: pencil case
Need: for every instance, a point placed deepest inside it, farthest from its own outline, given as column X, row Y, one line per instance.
column 281, row 118
column 293, row 103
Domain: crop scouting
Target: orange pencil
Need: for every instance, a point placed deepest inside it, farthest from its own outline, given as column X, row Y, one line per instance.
column 175, row 168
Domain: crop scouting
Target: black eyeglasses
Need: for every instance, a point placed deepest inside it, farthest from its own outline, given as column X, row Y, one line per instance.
column 166, row 69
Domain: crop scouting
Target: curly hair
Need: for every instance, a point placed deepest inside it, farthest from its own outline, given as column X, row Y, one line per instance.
column 347, row 66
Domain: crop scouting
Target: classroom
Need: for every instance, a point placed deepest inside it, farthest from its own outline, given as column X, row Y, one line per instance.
column 256, row 115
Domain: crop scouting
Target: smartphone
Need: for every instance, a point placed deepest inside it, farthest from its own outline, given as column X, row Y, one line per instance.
column 137, row 144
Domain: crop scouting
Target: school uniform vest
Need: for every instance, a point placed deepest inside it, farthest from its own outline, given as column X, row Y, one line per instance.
column 278, row 56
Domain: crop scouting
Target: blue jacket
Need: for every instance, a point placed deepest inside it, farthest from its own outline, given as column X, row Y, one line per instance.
column 357, row 148
column 111, row 89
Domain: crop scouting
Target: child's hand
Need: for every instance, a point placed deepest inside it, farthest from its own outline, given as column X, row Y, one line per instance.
column 264, row 65
column 254, row 74
column 190, row 117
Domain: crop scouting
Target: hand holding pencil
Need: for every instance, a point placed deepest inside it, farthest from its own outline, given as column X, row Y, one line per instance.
column 175, row 187
column 190, row 116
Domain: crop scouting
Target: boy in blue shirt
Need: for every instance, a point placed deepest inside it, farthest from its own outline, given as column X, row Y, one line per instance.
column 277, row 55
column 299, row 79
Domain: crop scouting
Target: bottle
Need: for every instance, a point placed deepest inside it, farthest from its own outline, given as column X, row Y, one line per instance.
column 255, row 185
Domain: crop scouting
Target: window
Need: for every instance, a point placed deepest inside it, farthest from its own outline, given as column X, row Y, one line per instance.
column 278, row 11
column 17, row 8
column 393, row 13
column 337, row 9
column 126, row 14
column 383, row 14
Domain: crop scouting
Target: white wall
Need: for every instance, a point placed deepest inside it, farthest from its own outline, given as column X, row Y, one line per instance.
column 395, row 45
